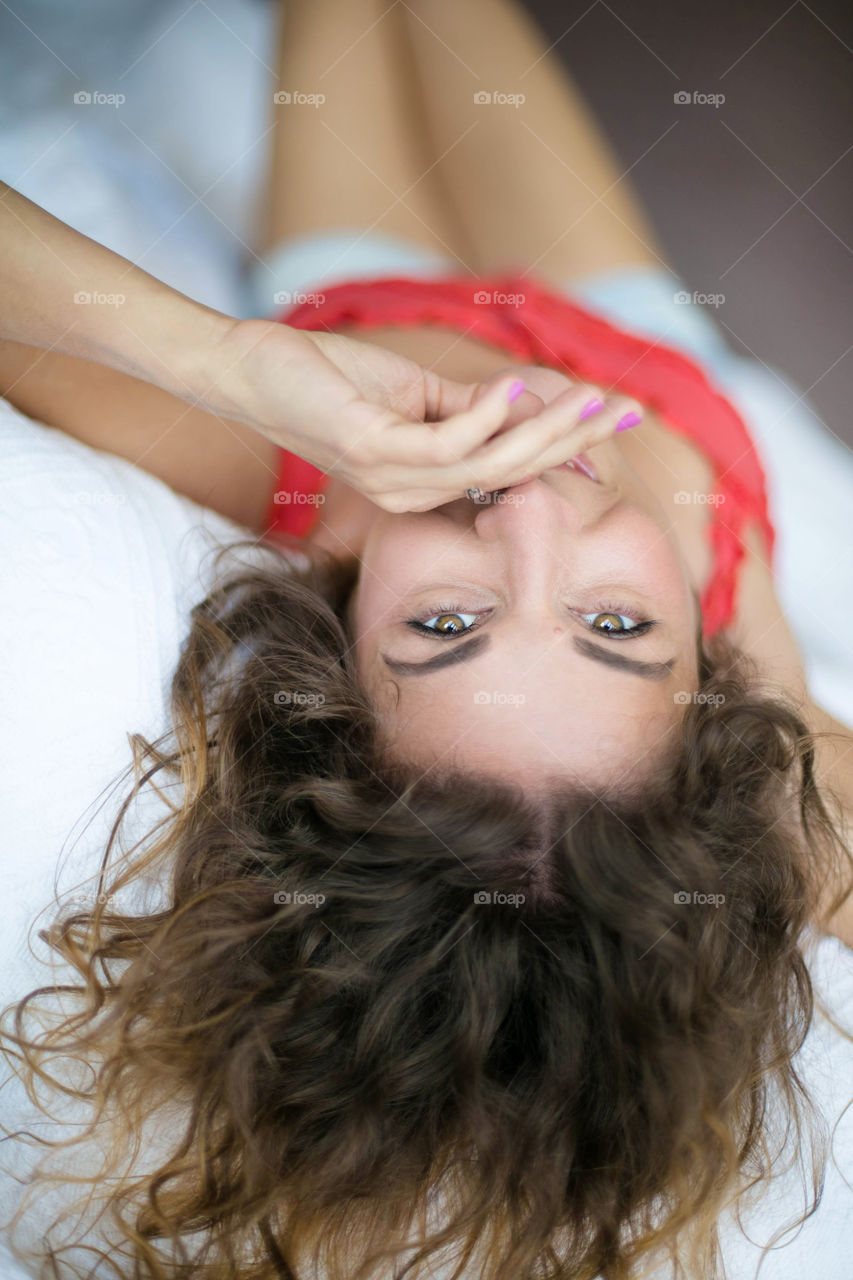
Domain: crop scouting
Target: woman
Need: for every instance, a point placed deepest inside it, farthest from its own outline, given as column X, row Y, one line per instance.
column 495, row 961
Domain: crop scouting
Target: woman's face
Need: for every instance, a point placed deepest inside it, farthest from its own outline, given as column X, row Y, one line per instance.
column 519, row 670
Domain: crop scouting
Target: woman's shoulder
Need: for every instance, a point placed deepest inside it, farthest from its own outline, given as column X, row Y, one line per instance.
column 759, row 625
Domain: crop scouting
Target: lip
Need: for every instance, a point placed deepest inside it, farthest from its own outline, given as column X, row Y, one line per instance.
column 581, row 463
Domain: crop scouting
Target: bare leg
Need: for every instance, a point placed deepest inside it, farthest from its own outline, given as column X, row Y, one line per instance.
column 535, row 186
column 360, row 158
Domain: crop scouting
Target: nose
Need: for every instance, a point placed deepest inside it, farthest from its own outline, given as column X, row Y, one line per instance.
column 532, row 508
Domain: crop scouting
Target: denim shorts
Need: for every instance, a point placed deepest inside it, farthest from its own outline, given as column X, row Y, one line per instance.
column 648, row 299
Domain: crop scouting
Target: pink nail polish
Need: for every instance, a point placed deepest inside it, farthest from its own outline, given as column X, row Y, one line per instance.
column 515, row 391
column 589, row 409
column 630, row 420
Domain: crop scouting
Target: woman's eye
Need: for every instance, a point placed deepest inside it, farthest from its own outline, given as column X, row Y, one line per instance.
column 449, row 623
column 455, row 622
column 610, row 622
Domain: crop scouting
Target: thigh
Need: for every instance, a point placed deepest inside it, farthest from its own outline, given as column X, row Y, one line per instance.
column 354, row 153
column 535, row 182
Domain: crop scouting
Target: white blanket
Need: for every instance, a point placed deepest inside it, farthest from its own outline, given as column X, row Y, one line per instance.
column 100, row 565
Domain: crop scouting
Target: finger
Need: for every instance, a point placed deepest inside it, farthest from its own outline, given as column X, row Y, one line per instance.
column 401, row 501
column 425, row 445
column 562, row 450
column 444, row 398
column 531, row 403
column 556, row 431
column 439, row 444
column 528, row 405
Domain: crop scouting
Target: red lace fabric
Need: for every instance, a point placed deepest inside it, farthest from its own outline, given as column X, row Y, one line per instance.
column 546, row 328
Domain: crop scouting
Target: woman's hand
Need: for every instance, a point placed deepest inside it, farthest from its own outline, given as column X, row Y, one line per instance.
column 401, row 435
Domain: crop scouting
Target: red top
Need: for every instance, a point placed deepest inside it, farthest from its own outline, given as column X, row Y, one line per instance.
column 548, row 329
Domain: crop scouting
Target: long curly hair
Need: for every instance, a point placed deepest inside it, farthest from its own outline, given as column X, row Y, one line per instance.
column 381, row 1020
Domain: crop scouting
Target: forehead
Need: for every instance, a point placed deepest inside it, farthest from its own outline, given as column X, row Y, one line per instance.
column 590, row 729
column 516, row 746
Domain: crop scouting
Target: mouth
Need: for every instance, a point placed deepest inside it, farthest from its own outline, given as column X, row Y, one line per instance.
column 580, row 462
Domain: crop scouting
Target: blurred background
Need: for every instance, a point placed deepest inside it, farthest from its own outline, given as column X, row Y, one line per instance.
column 752, row 198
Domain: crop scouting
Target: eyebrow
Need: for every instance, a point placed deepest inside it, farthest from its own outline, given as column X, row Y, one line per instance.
column 588, row 648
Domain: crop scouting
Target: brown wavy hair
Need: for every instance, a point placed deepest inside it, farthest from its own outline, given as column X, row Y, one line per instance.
column 382, row 1019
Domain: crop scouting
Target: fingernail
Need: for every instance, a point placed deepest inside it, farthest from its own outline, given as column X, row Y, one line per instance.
column 630, row 420
column 589, row 409
column 515, row 391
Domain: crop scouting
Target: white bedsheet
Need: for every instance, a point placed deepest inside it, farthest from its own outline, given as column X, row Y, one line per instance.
column 100, row 565
column 171, row 176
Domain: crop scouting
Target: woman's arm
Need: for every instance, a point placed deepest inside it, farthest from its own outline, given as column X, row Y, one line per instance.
column 63, row 292
column 402, row 435
column 91, row 344
column 220, row 463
